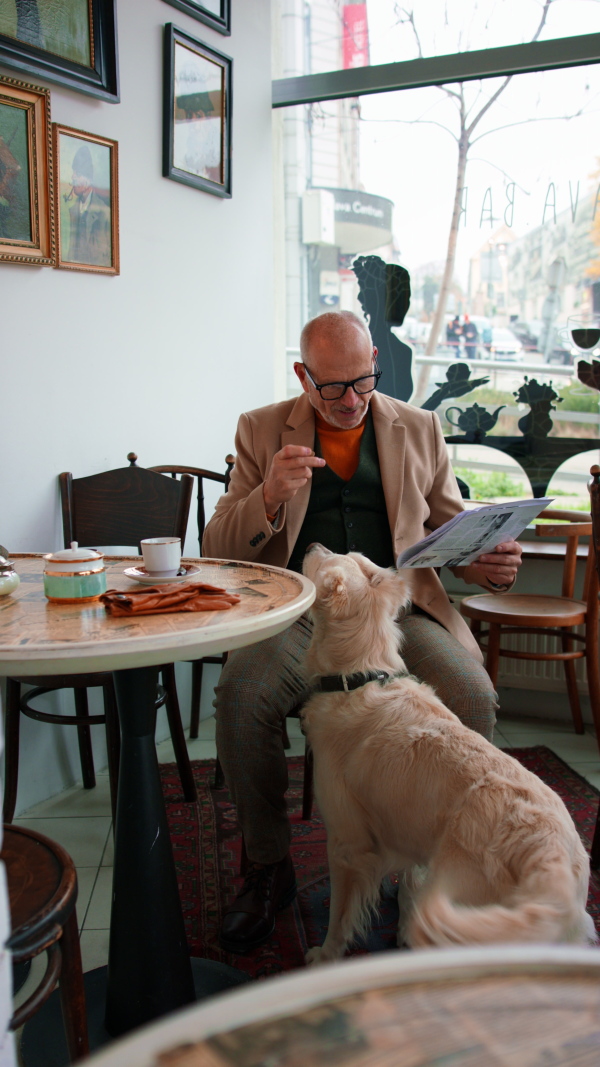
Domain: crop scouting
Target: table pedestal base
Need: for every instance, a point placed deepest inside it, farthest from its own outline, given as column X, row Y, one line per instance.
column 43, row 1042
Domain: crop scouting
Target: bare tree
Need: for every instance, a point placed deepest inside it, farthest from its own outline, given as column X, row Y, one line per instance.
column 465, row 139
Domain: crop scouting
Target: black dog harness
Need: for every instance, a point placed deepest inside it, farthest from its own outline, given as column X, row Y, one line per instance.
column 345, row 683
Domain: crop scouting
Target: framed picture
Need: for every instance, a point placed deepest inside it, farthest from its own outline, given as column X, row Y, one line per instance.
column 87, row 201
column 215, row 13
column 71, row 42
column 196, row 114
column 26, row 207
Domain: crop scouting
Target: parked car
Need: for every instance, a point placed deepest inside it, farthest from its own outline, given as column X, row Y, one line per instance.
column 505, row 345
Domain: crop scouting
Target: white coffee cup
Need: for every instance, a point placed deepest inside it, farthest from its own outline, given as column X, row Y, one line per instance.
column 162, row 556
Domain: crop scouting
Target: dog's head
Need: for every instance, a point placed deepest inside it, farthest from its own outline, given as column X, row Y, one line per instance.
column 343, row 583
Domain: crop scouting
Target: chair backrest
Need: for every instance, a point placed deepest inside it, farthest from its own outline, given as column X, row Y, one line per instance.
column 571, row 525
column 123, row 506
column 178, row 469
column 595, row 507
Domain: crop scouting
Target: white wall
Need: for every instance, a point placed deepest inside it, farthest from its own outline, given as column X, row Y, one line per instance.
column 161, row 359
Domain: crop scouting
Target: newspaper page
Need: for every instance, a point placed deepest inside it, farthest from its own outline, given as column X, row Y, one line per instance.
column 471, row 533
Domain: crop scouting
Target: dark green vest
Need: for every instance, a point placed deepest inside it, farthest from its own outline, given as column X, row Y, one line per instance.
column 348, row 516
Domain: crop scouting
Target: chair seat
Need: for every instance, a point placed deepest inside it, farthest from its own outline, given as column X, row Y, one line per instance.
column 42, row 887
column 525, row 609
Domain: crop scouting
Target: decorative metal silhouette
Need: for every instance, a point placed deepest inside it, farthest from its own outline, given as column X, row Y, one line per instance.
column 539, row 397
column 589, row 373
column 458, row 383
column 476, row 419
column 384, row 293
column 539, row 455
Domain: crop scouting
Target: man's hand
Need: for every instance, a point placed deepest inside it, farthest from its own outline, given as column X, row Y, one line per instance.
column 500, row 566
column 290, row 469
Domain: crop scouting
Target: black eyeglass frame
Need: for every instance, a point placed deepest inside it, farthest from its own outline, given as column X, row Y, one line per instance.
column 376, row 375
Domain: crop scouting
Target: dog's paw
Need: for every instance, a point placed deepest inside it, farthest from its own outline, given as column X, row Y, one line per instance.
column 313, row 957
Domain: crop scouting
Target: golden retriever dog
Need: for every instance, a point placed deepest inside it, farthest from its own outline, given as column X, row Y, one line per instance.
column 403, row 785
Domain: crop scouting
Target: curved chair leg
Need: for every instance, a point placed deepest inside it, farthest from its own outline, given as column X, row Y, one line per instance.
column 84, row 736
column 493, row 656
column 593, row 672
column 177, row 735
column 197, row 667
column 72, row 992
column 12, row 725
column 572, row 690
column 573, row 694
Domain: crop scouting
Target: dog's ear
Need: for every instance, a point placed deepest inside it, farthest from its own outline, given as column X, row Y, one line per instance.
column 334, row 591
column 397, row 585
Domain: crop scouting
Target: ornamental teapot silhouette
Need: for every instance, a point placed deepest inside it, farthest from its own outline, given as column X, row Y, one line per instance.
column 475, row 418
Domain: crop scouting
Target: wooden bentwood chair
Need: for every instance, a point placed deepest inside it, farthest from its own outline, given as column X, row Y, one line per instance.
column 118, row 507
column 42, row 890
column 555, row 616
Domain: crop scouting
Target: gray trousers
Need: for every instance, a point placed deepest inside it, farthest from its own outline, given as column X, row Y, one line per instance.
column 261, row 684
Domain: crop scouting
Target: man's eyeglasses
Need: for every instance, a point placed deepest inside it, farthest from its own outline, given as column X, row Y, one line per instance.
column 336, row 390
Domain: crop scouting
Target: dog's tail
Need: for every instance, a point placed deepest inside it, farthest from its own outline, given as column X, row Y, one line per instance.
column 437, row 921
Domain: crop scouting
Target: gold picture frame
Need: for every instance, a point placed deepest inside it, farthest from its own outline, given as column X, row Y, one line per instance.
column 86, row 200
column 26, row 205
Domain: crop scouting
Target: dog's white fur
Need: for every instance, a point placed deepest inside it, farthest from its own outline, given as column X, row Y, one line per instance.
column 402, row 784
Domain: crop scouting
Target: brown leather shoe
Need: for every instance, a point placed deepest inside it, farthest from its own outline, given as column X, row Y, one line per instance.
column 250, row 918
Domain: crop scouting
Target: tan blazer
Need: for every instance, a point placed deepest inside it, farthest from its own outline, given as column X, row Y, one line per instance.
column 419, row 486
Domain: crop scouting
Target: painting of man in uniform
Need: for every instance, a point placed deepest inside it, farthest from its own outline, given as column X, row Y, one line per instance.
column 85, row 205
column 15, row 208
column 198, row 136
column 61, row 28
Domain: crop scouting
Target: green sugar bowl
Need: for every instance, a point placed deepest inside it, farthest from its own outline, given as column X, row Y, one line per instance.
column 74, row 575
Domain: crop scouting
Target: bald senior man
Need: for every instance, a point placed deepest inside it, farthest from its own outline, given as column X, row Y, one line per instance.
column 357, row 471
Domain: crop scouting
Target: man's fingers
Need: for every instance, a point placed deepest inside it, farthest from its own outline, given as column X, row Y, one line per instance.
column 295, row 462
column 289, row 451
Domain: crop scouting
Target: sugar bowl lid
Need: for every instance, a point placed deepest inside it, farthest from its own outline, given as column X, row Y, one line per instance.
column 74, row 554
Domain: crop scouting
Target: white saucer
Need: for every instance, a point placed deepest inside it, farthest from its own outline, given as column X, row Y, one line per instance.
column 139, row 574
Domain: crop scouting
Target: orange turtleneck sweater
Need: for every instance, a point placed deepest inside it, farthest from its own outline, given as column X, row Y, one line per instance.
column 340, row 448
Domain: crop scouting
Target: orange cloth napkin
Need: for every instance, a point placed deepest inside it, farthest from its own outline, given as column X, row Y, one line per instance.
column 156, row 599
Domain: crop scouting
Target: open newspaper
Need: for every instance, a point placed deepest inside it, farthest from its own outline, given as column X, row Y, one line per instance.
column 473, row 532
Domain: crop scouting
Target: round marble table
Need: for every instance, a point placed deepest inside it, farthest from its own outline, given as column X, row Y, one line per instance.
column 508, row 1006
column 149, row 970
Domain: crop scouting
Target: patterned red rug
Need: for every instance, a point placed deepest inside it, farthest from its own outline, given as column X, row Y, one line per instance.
column 207, row 845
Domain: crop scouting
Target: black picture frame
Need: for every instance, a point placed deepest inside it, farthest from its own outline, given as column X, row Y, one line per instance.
column 100, row 79
column 197, row 124
column 220, row 22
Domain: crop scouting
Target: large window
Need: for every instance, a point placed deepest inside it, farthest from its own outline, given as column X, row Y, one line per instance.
column 488, row 193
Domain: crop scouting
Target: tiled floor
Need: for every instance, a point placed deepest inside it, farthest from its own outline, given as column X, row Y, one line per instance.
column 80, row 819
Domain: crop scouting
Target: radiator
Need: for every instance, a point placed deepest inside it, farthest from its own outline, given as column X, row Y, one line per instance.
column 532, row 674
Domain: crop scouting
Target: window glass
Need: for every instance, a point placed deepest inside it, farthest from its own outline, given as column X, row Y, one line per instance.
column 488, row 195
column 340, row 34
